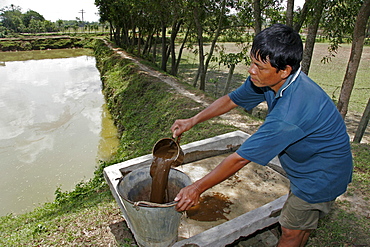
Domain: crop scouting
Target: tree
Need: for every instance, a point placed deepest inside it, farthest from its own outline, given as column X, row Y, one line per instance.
column 197, row 13
column 216, row 26
column 289, row 13
column 355, row 57
column 311, row 36
column 231, row 60
column 36, row 26
column 302, row 15
column 257, row 16
column 49, row 26
column 31, row 21
column 31, row 15
column 59, row 24
column 363, row 124
column 11, row 17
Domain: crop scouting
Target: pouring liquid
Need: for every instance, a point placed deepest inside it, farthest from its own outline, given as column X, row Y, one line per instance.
column 159, row 170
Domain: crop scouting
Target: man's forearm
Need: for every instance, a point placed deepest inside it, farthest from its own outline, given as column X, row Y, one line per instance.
column 224, row 170
column 217, row 108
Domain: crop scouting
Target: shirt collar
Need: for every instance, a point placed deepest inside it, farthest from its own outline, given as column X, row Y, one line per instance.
column 288, row 82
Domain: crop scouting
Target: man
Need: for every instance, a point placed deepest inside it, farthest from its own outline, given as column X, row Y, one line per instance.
column 303, row 128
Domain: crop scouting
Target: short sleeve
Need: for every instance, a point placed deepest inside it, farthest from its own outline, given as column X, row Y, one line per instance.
column 269, row 141
column 247, row 95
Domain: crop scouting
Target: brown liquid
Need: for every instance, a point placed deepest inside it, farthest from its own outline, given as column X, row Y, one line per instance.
column 159, row 170
column 210, row 208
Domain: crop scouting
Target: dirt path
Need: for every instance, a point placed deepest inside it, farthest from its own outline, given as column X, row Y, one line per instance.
column 233, row 117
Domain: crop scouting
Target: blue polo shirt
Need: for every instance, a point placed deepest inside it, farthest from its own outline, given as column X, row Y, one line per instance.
column 305, row 130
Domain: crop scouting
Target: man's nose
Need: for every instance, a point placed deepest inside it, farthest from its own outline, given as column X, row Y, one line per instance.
column 252, row 69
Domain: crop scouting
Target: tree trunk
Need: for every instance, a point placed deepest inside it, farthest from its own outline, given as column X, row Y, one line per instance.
column 311, row 37
column 125, row 34
column 139, row 42
column 257, row 16
column 363, row 124
column 133, row 33
column 217, row 34
column 201, row 51
column 164, row 48
column 303, row 15
column 229, row 77
column 148, row 44
column 117, row 35
column 175, row 29
column 181, row 49
column 355, row 57
column 289, row 13
column 155, row 47
column 111, row 28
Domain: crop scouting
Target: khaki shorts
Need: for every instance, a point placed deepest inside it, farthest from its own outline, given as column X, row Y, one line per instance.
column 298, row 214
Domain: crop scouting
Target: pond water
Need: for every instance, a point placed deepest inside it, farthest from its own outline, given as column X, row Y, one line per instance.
column 54, row 127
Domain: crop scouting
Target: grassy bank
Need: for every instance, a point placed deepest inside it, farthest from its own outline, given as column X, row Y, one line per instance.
column 144, row 108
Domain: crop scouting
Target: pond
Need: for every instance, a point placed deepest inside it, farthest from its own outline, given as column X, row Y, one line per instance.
column 54, row 127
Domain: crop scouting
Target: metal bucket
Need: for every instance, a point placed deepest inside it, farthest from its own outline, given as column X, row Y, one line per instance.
column 153, row 225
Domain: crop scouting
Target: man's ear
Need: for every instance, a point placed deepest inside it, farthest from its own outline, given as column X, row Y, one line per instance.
column 285, row 73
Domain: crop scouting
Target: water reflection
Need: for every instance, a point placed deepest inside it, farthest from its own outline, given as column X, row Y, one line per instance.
column 53, row 128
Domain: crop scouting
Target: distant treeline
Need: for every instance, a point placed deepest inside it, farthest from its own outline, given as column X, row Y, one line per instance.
column 13, row 21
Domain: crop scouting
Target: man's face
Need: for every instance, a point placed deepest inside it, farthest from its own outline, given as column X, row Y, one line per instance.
column 264, row 75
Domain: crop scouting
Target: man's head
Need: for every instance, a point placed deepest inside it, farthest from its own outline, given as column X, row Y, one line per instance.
column 280, row 45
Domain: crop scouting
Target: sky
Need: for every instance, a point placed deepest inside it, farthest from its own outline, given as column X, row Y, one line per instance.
column 54, row 10
column 67, row 9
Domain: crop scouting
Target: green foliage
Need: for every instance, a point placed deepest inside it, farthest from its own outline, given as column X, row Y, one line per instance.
column 229, row 59
column 338, row 23
column 14, row 20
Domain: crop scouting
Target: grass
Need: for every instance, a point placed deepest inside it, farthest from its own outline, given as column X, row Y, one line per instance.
column 361, row 176
column 341, row 228
column 345, row 225
column 144, row 109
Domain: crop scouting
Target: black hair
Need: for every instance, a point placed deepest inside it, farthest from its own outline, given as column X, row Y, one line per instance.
column 280, row 45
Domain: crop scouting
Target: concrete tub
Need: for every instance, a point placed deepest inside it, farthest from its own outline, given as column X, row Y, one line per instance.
column 256, row 193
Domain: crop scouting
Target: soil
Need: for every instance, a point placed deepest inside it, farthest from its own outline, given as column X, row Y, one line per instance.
column 117, row 225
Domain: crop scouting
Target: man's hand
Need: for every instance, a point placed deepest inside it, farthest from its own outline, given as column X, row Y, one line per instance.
column 180, row 126
column 187, row 197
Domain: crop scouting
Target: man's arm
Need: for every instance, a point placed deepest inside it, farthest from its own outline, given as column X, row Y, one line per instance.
column 189, row 196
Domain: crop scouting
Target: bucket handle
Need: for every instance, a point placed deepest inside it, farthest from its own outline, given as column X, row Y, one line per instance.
column 152, row 204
